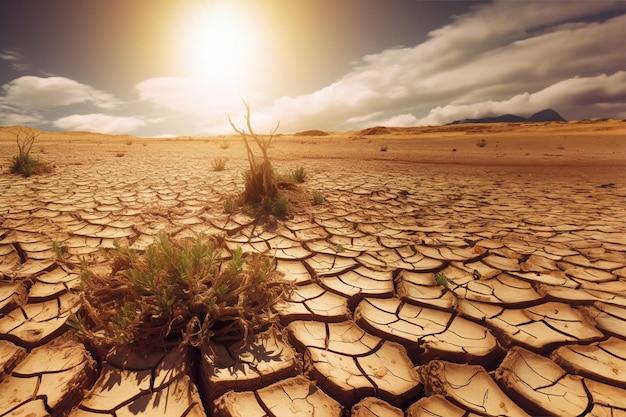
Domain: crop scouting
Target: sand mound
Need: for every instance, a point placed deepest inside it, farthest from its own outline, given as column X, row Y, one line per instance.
column 377, row 130
column 311, row 133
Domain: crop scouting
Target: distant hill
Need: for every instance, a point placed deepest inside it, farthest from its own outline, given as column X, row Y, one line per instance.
column 547, row 115
column 311, row 133
column 377, row 130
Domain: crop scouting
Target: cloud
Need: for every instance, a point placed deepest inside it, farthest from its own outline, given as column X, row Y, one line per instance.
column 13, row 117
column 98, row 122
column 574, row 98
column 193, row 96
column 585, row 91
column 500, row 57
column 400, row 120
column 15, row 58
column 175, row 93
column 31, row 100
column 31, row 92
column 497, row 53
column 209, row 104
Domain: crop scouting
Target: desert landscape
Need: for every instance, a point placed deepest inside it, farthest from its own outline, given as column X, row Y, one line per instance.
column 461, row 270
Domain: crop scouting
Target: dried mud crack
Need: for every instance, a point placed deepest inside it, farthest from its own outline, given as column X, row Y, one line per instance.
column 424, row 292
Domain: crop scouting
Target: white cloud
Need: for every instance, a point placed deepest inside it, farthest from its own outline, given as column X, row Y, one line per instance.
column 573, row 98
column 98, row 122
column 10, row 117
column 175, row 93
column 400, row 120
column 479, row 62
column 48, row 92
column 193, row 96
column 209, row 103
column 585, row 91
column 501, row 57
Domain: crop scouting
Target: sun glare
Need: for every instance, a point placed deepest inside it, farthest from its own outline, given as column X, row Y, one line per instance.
column 216, row 44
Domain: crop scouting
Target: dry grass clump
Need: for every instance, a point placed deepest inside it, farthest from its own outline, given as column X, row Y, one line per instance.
column 178, row 290
column 219, row 164
column 229, row 205
column 298, row 174
column 318, row 197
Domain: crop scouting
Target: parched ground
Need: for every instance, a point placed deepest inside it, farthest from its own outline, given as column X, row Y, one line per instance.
column 529, row 230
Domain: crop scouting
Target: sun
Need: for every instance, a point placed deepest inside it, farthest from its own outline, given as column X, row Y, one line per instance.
column 216, row 44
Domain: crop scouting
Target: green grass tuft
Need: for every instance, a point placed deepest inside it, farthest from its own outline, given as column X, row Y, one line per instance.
column 229, row 205
column 318, row 198
column 442, row 279
column 277, row 206
column 299, row 174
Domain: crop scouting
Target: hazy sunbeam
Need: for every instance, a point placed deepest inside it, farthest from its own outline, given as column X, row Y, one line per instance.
column 216, row 44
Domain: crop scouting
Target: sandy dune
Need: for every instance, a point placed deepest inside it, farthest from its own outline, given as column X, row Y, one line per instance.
column 529, row 230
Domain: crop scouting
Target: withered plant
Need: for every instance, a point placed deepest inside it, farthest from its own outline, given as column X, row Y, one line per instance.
column 260, row 179
column 219, row 163
column 178, row 291
column 23, row 163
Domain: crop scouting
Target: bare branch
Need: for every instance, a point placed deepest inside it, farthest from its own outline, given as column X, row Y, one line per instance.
column 261, row 182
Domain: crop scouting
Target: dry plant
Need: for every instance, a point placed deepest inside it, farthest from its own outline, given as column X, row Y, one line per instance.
column 229, row 205
column 23, row 163
column 260, row 179
column 219, row 163
column 178, row 291
column 318, row 198
column 299, row 174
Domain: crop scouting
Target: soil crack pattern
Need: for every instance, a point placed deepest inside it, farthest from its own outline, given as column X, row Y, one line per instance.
column 419, row 289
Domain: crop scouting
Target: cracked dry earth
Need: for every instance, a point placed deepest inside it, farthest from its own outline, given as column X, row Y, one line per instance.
column 530, row 320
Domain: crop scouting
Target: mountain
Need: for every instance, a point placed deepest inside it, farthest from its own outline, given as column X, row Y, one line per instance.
column 547, row 115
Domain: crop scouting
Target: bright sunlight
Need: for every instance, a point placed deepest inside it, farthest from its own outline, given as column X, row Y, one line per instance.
column 216, row 43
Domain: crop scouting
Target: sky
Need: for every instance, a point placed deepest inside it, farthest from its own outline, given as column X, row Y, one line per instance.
column 161, row 68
